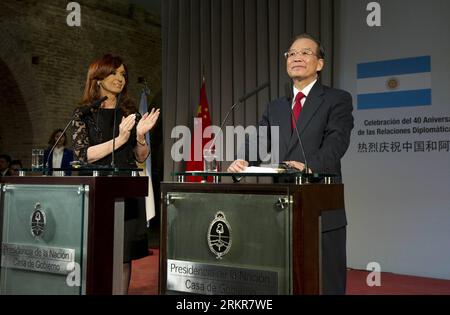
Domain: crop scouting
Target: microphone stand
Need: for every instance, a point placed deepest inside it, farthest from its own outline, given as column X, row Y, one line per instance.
column 240, row 100
column 113, row 164
column 223, row 122
column 94, row 104
column 288, row 90
column 47, row 171
column 305, row 169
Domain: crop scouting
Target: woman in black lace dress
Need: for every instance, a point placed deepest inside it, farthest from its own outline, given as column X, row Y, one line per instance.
column 92, row 142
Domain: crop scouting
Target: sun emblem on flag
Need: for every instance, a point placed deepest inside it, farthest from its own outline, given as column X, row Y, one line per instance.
column 392, row 83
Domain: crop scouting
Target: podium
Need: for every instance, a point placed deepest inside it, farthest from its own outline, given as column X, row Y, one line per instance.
column 64, row 235
column 242, row 238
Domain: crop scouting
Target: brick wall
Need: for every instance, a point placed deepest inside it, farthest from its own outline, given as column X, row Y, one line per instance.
column 37, row 97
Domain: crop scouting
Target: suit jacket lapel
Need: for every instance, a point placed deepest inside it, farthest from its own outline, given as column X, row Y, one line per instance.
column 285, row 128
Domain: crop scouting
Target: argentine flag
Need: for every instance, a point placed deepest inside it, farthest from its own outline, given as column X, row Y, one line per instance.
column 394, row 83
column 149, row 200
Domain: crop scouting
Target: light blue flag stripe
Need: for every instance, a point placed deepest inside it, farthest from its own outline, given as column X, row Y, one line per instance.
column 395, row 99
column 149, row 201
column 143, row 108
column 394, row 67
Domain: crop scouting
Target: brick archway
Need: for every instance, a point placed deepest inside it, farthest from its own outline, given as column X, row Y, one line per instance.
column 15, row 133
column 16, row 95
column 47, row 62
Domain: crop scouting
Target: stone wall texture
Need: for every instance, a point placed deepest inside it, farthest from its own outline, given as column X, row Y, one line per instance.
column 43, row 62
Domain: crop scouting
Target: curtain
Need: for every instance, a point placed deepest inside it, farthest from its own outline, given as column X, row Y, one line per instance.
column 236, row 45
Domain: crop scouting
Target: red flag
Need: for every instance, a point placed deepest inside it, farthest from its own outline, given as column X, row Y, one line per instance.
column 203, row 114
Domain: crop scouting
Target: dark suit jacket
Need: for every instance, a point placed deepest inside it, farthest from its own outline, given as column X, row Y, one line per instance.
column 324, row 126
column 65, row 163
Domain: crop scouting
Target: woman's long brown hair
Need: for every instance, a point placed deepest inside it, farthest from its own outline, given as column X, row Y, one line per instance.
column 100, row 69
column 52, row 139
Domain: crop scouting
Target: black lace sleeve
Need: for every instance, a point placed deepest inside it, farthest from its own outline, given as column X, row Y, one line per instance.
column 80, row 138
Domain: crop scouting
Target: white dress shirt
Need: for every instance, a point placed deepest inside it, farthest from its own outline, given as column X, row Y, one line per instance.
column 305, row 92
column 57, row 160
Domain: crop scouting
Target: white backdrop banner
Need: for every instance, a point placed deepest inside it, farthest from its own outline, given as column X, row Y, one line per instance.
column 397, row 169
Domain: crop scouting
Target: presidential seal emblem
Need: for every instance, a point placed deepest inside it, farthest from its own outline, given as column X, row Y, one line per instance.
column 219, row 236
column 38, row 221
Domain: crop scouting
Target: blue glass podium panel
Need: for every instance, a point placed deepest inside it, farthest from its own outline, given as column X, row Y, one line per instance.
column 43, row 239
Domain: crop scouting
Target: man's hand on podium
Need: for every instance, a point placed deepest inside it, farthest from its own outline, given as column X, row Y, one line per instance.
column 297, row 165
column 238, row 166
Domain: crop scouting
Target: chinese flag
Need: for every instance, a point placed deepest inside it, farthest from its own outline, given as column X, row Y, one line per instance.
column 203, row 113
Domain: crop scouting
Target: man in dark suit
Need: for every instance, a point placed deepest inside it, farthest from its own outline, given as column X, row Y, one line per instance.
column 5, row 161
column 324, row 120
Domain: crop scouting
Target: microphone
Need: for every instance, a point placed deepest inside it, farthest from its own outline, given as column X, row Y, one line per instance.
column 251, row 93
column 84, row 110
column 119, row 96
column 240, row 100
column 94, row 105
column 290, row 96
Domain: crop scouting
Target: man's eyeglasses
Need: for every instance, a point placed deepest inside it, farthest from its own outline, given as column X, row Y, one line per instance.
column 303, row 53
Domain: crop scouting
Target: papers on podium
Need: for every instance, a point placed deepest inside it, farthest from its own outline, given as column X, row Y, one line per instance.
column 264, row 169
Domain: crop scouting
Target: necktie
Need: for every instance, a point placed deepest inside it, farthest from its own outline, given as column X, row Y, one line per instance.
column 297, row 108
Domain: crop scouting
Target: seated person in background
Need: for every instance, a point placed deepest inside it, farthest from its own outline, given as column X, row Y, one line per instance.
column 15, row 167
column 5, row 161
column 61, row 156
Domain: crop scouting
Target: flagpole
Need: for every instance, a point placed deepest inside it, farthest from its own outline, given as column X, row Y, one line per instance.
column 203, row 73
column 149, row 200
